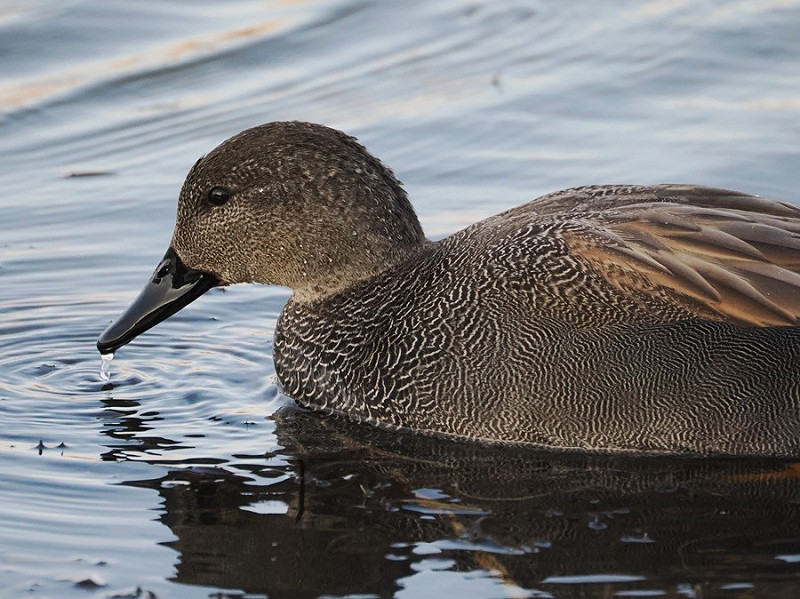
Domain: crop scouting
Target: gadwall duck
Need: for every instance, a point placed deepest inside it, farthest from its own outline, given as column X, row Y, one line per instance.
column 611, row 318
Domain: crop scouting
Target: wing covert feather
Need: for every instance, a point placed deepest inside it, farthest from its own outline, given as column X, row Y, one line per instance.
column 719, row 254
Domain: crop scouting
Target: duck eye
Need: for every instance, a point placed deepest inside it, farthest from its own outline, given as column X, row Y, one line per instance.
column 219, row 195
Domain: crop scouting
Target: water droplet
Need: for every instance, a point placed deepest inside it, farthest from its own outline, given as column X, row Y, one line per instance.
column 105, row 366
column 596, row 524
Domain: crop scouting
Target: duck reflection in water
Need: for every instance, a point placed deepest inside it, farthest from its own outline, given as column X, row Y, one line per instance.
column 344, row 508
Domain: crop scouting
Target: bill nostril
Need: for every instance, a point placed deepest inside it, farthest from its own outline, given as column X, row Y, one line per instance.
column 162, row 270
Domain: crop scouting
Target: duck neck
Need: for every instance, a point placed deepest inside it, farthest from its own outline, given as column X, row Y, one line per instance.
column 364, row 266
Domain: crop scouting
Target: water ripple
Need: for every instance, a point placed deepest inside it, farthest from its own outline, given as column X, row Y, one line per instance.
column 174, row 383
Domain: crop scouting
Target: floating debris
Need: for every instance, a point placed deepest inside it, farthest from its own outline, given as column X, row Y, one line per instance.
column 77, row 174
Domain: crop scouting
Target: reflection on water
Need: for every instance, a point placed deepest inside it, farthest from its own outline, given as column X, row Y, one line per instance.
column 176, row 477
column 344, row 509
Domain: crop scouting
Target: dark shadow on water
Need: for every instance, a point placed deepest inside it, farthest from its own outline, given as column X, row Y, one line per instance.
column 346, row 509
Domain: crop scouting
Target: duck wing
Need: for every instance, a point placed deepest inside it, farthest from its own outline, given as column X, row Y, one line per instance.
column 718, row 254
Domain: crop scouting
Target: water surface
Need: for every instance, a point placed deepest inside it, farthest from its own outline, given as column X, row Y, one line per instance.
column 188, row 474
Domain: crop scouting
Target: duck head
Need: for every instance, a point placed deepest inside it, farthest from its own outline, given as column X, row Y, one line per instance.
column 288, row 203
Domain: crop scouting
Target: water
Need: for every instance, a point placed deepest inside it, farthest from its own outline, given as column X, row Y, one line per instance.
column 187, row 474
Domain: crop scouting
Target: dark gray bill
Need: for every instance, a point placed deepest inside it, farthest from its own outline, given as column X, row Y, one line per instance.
column 172, row 287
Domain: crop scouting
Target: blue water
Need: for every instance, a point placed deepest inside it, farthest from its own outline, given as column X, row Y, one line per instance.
column 188, row 474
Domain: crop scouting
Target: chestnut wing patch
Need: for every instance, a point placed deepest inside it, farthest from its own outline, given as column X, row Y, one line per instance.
column 719, row 254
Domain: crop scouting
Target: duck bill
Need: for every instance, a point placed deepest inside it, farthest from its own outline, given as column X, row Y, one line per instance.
column 172, row 286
